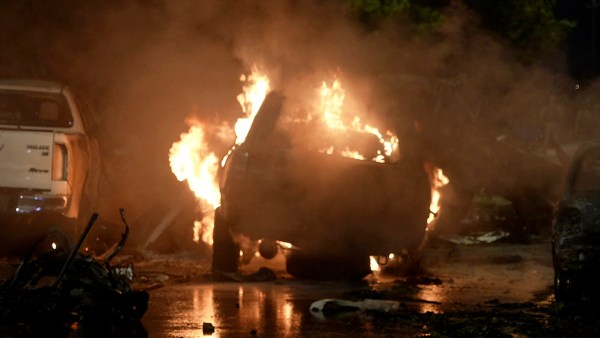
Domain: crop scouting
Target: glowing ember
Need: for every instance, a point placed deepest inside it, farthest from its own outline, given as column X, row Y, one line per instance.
column 438, row 181
column 331, row 103
column 352, row 154
column 255, row 90
column 285, row 245
column 374, row 265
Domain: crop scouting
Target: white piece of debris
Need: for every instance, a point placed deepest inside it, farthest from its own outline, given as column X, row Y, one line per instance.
column 363, row 305
column 488, row 237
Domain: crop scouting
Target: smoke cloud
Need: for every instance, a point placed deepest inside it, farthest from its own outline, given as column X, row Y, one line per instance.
column 148, row 65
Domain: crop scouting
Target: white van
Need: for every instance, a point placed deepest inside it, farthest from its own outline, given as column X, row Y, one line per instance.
column 49, row 164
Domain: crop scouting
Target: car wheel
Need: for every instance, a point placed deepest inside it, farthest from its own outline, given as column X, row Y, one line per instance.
column 225, row 252
column 564, row 285
column 318, row 267
column 42, row 223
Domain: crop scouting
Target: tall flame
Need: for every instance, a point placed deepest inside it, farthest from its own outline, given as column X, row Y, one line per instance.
column 255, row 90
column 437, row 182
column 192, row 160
column 332, row 100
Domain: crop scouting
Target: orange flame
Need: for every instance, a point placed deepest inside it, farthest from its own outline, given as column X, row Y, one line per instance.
column 374, row 264
column 331, row 103
column 255, row 90
column 332, row 100
column 438, row 181
column 192, row 160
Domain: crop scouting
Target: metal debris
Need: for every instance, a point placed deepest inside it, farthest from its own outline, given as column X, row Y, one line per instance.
column 488, row 237
column 60, row 288
column 208, row 328
column 339, row 305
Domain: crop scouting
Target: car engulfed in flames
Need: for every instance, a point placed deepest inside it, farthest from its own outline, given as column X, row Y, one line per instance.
column 338, row 191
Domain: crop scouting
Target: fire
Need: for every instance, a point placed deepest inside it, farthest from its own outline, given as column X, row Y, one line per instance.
column 192, row 160
column 331, row 103
column 374, row 264
column 438, row 181
column 332, row 100
column 255, row 90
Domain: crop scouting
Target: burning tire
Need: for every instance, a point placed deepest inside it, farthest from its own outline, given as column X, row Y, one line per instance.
column 226, row 252
column 313, row 266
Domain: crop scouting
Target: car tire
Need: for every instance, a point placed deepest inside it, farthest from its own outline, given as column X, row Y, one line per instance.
column 41, row 224
column 335, row 267
column 564, row 286
column 225, row 252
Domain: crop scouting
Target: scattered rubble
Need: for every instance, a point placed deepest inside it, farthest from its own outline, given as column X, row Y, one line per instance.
column 59, row 289
column 208, row 328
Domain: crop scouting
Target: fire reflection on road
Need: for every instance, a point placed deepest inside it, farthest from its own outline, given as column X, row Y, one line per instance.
column 432, row 297
column 242, row 309
column 232, row 309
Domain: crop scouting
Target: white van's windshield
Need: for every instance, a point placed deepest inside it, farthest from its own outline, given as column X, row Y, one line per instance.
column 34, row 109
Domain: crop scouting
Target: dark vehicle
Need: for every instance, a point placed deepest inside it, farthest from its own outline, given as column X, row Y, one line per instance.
column 280, row 185
column 576, row 227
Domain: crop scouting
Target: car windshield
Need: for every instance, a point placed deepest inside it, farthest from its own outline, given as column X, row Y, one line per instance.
column 34, row 109
column 300, row 130
column 587, row 176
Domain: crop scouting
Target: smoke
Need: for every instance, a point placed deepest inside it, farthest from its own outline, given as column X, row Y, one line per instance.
column 147, row 66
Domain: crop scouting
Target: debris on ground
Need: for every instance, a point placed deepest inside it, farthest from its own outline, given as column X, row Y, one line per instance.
column 57, row 288
column 208, row 328
column 336, row 305
column 485, row 238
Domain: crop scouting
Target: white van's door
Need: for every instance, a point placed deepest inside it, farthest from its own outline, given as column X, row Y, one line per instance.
column 26, row 159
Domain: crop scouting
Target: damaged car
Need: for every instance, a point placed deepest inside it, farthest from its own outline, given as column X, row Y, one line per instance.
column 576, row 227
column 330, row 198
column 49, row 162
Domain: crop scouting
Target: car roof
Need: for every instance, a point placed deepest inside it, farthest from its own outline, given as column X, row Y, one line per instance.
column 31, row 85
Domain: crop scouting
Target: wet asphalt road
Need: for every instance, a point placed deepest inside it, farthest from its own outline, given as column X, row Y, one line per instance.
column 259, row 309
column 482, row 280
column 491, row 290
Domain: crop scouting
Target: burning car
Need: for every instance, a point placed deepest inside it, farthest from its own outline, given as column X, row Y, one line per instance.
column 48, row 169
column 576, row 227
column 331, row 196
